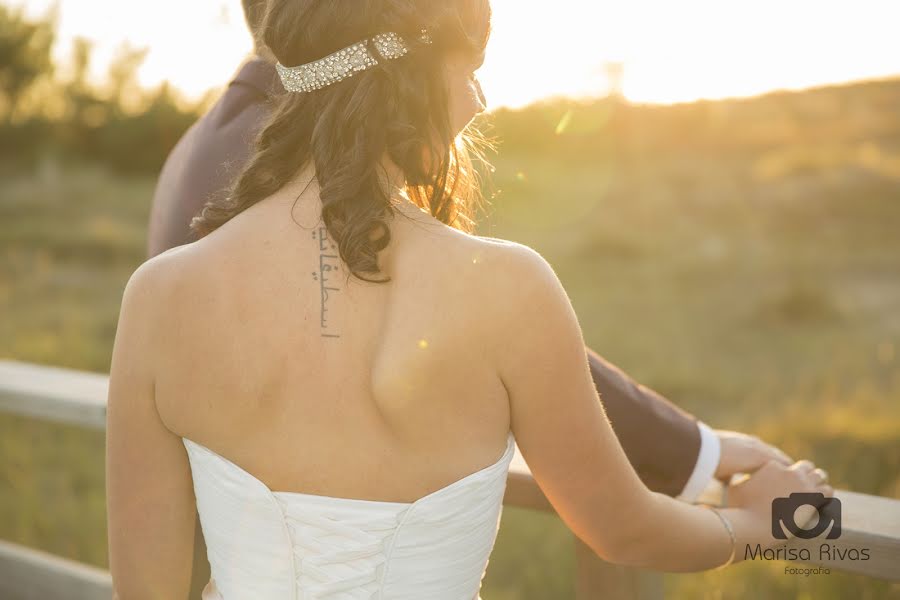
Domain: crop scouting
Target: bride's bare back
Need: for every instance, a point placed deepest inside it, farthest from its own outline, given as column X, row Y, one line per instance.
column 406, row 388
column 359, row 390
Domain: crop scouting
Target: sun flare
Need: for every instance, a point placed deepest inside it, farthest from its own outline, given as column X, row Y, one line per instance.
column 647, row 51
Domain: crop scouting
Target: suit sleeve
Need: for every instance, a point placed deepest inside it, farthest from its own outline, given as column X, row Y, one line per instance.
column 202, row 165
column 661, row 440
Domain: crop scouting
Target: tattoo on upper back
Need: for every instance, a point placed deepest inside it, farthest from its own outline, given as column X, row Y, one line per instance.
column 329, row 261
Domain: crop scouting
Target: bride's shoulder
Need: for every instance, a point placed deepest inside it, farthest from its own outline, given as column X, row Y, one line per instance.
column 504, row 281
column 158, row 280
column 168, row 265
column 148, row 305
column 503, row 268
column 508, row 254
column 497, row 246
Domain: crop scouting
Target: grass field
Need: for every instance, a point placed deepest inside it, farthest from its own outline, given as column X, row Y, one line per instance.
column 748, row 269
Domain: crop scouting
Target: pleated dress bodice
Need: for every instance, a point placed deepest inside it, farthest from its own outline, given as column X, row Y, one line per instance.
column 264, row 544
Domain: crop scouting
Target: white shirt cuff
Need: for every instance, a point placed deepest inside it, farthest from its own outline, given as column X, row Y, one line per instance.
column 707, row 462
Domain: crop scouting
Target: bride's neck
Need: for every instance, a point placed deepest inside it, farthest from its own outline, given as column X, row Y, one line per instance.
column 303, row 190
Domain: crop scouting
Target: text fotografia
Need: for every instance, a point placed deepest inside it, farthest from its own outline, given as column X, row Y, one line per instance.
column 826, row 552
column 807, row 571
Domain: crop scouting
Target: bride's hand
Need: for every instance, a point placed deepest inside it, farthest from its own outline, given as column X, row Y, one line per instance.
column 743, row 453
column 753, row 495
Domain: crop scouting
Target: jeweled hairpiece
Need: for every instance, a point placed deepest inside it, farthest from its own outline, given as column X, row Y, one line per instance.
column 344, row 63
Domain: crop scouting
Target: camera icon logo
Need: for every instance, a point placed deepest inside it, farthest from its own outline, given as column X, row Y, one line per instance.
column 829, row 510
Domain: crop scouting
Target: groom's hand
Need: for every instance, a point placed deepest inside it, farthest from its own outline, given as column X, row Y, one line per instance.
column 742, row 453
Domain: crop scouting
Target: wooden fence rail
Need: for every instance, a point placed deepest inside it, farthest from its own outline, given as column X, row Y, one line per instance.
column 79, row 398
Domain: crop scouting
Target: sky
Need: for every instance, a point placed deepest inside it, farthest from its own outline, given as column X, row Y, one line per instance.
column 670, row 50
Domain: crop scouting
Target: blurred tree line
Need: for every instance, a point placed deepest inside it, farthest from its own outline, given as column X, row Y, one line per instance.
column 132, row 129
column 45, row 114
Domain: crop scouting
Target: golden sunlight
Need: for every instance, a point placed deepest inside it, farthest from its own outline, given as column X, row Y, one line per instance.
column 645, row 50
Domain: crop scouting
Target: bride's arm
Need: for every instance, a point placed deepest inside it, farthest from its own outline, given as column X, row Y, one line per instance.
column 149, row 494
column 569, row 444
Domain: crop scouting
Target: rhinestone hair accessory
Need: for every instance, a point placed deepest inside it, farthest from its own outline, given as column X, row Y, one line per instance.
column 344, row 63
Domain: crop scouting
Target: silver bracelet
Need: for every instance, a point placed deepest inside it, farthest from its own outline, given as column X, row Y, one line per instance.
column 730, row 529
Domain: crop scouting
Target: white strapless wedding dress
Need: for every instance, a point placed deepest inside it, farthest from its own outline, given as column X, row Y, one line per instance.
column 268, row 545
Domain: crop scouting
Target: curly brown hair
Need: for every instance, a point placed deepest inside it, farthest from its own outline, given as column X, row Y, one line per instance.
column 401, row 108
column 253, row 11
